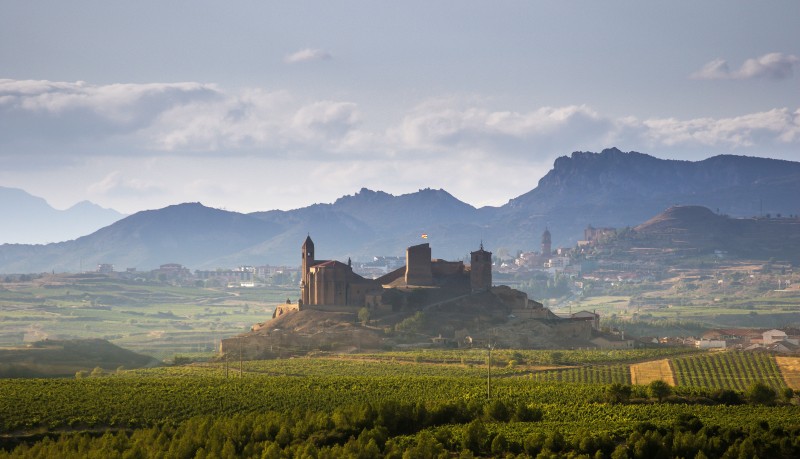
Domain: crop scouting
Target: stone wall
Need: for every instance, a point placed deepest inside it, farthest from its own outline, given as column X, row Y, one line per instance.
column 442, row 268
column 418, row 265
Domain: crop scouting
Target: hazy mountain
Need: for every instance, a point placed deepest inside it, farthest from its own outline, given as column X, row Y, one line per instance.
column 699, row 228
column 611, row 188
column 191, row 234
column 28, row 219
column 619, row 189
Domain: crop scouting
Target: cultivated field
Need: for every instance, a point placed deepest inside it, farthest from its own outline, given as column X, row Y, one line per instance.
column 152, row 318
column 387, row 405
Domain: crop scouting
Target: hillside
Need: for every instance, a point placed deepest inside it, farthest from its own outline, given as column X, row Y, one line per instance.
column 610, row 188
column 619, row 189
column 50, row 358
column 698, row 228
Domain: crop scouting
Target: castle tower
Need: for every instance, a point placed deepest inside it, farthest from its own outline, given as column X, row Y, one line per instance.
column 546, row 243
column 308, row 261
column 480, row 271
column 418, row 265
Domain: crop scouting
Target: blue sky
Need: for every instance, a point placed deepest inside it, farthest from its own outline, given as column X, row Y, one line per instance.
column 250, row 105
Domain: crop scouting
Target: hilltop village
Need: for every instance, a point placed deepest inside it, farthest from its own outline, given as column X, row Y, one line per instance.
column 426, row 302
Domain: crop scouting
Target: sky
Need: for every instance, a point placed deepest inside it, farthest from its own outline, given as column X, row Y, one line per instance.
column 252, row 106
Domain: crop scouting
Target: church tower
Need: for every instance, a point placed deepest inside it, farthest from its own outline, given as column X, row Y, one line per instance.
column 546, row 243
column 480, row 270
column 308, row 262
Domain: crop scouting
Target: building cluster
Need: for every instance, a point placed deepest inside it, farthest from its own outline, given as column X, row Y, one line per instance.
column 547, row 260
column 241, row 276
column 782, row 341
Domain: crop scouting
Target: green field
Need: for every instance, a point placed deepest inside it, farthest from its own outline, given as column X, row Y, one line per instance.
column 388, row 405
column 152, row 318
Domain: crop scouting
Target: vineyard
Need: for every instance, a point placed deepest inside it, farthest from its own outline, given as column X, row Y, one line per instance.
column 727, row 370
column 599, row 374
column 397, row 402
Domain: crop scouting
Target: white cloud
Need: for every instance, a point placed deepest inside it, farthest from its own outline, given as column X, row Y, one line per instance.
column 774, row 66
column 115, row 183
column 307, row 55
column 437, row 127
column 741, row 132
column 80, row 120
column 60, row 111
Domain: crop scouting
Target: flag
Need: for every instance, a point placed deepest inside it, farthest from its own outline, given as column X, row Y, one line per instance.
column 424, row 235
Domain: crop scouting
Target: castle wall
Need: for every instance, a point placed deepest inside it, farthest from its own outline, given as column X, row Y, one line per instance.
column 573, row 329
column 441, row 268
column 418, row 265
column 282, row 309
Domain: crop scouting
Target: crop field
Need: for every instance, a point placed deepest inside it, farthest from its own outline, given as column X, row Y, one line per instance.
column 653, row 370
column 332, row 405
column 727, row 370
column 152, row 318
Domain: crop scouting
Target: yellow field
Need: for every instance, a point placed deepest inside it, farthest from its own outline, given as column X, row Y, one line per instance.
column 790, row 370
column 647, row 372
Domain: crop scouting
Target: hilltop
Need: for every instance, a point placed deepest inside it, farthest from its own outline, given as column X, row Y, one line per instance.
column 698, row 229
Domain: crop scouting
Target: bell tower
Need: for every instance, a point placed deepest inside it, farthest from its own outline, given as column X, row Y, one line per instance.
column 546, row 243
column 480, row 270
column 308, row 262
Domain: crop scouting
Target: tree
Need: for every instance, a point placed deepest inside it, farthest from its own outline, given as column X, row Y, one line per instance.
column 363, row 316
column 659, row 389
column 618, row 393
column 474, row 437
column 499, row 444
column 761, row 394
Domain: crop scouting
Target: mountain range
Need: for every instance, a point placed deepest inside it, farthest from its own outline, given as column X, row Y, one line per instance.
column 31, row 220
column 610, row 188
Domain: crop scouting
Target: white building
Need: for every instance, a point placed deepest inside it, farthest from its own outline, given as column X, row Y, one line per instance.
column 710, row 344
column 773, row 336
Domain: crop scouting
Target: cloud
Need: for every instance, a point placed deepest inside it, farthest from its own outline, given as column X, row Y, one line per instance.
column 307, row 55
column 115, row 184
column 435, row 127
column 44, row 122
column 59, row 111
column 256, row 121
column 775, row 66
column 756, row 129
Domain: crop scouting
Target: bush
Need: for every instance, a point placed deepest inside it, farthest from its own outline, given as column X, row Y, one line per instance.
column 659, row 389
column 761, row 394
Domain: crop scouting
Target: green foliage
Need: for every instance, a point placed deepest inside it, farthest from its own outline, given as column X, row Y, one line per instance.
column 363, row 316
column 352, row 408
column 727, row 370
column 659, row 389
column 412, row 324
column 618, row 393
column 761, row 394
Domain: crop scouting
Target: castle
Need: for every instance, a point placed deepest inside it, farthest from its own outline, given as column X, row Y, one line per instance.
column 330, row 284
column 459, row 302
